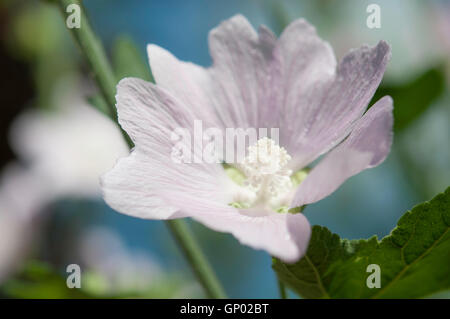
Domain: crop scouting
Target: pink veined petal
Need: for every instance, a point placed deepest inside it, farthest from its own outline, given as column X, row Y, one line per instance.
column 321, row 116
column 140, row 184
column 129, row 189
column 367, row 146
column 188, row 82
column 285, row 236
column 153, row 188
column 225, row 94
column 240, row 72
column 302, row 62
column 149, row 114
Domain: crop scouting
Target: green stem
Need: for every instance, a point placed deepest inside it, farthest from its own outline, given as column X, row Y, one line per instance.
column 282, row 289
column 104, row 75
column 95, row 56
column 194, row 255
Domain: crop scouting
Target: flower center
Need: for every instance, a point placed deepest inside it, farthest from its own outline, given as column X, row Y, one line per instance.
column 268, row 180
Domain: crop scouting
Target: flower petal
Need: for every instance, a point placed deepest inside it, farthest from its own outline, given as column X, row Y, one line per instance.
column 285, row 236
column 143, row 183
column 240, row 71
column 322, row 113
column 188, row 82
column 149, row 114
column 303, row 61
column 128, row 189
column 366, row 147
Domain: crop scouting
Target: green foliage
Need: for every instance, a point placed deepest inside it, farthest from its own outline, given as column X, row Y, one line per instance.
column 99, row 103
column 128, row 60
column 40, row 281
column 36, row 37
column 414, row 259
column 413, row 98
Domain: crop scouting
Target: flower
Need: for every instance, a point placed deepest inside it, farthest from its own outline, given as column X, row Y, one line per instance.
column 65, row 153
column 256, row 81
column 69, row 147
column 21, row 199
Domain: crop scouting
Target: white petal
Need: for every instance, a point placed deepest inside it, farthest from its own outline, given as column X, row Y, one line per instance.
column 145, row 183
column 240, row 71
column 188, row 82
column 149, row 114
column 367, row 146
column 285, row 236
column 304, row 61
column 129, row 189
column 321, row 116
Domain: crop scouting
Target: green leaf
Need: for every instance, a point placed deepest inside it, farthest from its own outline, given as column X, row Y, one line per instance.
column 414, row 259
column 128, row 60
column 99, row 103
column 39, row 280
column 413, row 98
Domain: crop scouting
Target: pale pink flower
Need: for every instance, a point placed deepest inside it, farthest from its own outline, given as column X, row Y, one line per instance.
column 293, row 84
column 21, row 199
column 65, row 152
column 70, row 147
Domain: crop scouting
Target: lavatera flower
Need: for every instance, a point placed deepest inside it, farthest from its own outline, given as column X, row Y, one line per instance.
column 256, row 81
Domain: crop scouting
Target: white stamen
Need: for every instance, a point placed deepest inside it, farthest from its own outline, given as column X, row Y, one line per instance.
column 266, row 172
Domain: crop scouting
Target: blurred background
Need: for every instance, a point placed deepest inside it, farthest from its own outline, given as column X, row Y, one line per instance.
column 54, row 144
